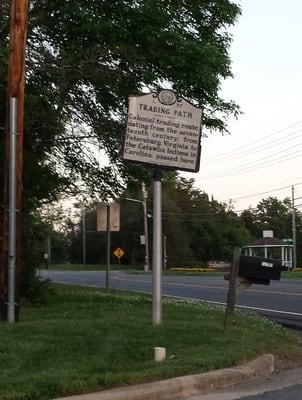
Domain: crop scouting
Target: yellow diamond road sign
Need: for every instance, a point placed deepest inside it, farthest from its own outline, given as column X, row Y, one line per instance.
column 118, row 252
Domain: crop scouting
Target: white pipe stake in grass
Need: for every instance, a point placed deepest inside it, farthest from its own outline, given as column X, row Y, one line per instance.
column 159, row 354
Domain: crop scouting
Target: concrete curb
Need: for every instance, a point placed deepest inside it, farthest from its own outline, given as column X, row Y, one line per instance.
column 185, row 386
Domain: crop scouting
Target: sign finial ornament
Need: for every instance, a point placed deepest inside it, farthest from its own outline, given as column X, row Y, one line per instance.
column 167, row 97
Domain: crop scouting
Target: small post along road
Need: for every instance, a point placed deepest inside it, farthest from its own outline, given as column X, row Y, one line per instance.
column 280, row 301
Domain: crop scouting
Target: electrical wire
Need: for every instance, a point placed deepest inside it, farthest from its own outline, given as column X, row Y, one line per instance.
column 226, row 212
column 251, row 163
column 268, row 191
column 255, row 141
column 269, row 145
column 199, row 220
column 241, row 171
column 259, row 194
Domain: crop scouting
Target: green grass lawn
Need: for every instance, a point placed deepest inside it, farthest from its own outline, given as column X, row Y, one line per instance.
column 284, row 274
column 91, row 267
column 89, row 339
column 291, row 275
column 194, row 273
column 127, row 268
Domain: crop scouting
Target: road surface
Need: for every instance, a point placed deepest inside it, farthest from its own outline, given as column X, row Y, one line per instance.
column 281, row 300
column 285, row 385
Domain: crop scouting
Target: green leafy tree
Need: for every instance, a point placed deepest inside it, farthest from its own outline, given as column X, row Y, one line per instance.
column 276, row 215
column 224, row 230
column 91, row 55
column 250, row 222
column 270, row 214
column 176, row 202
column 299, row 237
column 83, row 61
column 128, row 238
column 198, row 229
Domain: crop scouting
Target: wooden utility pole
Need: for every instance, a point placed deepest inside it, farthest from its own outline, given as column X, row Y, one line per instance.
column 15, row 95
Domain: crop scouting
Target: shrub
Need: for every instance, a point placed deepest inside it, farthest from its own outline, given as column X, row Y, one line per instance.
column 38, row 292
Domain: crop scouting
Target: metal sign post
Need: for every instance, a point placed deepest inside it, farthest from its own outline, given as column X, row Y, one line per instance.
column 144, row 202
column 157, row 249
column 12, row 221
column 163, row 132
column 84, row 234
column 108, row 248
column 108, row 220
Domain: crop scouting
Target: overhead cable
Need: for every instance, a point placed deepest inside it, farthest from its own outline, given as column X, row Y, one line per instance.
column 259, row 194
column 268, row 191
column 269, row 163
column 257, row 149
column 225, row 212
column 256, row 141
column 251, row 163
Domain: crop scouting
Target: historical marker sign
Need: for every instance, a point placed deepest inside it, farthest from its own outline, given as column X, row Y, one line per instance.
column 163, row 130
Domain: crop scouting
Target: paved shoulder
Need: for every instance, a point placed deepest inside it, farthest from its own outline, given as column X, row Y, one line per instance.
column 282, row 385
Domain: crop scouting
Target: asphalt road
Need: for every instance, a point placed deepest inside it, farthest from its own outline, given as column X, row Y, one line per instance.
column 281, row 300
column 285, row 385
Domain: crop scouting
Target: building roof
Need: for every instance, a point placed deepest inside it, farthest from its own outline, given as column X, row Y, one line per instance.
column 266, row 241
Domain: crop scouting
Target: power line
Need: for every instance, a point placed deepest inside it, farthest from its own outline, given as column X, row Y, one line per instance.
column 260, row 193
column 251, row 163
column 256, row 141
column 272, row 190
column 269, row 145
column 186, row 214
column 278, row 160
column 225, row 213
column 200, row 220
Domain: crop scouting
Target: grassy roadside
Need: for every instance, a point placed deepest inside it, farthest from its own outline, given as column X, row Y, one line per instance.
column 284, row 274
column 90, row 339
column 295, row 274
column 126, row 268
column 193, row 273
column 90, row 267
column 291, row 274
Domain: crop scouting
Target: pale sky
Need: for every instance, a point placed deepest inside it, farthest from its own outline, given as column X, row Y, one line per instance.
column 267, row 64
